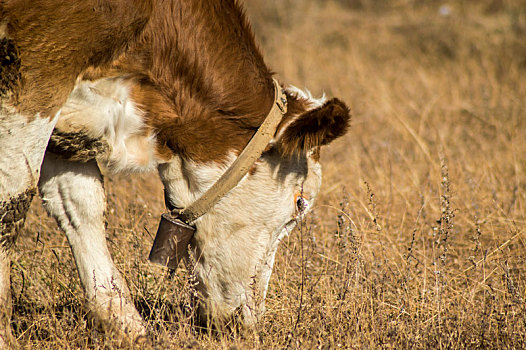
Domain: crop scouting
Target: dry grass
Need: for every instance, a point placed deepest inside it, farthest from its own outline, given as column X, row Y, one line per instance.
column 418, row 239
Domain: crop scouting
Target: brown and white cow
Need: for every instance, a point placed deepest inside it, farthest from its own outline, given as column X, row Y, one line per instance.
column 138, row 85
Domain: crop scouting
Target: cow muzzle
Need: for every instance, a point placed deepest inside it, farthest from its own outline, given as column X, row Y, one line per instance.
column 171, row 241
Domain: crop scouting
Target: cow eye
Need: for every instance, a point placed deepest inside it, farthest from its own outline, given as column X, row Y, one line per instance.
column 302, row 204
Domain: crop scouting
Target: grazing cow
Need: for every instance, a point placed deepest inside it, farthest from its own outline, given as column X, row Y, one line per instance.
column 138, row 85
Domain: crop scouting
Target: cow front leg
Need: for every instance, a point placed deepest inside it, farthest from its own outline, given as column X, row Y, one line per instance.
column 73, row 194
column 23, row 141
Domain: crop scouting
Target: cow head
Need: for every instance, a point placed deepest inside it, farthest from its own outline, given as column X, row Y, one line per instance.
column 236, row 241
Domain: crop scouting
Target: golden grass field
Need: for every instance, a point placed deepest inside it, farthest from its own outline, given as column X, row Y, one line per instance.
column 418, row 239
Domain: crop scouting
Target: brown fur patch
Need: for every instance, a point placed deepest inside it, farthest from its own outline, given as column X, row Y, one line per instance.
column 76, row 146
column 58, row 39
column 12, row 216
column 315, row 128
column 201, row 79
column 9, row 69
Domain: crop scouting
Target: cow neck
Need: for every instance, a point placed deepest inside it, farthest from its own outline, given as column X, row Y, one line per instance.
column 242, row 164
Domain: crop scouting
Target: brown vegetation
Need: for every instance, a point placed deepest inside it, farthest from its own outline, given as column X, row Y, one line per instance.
column 418, row 238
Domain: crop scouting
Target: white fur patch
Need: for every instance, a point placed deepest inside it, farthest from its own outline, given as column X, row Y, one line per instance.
column 186, row 181
column 104, row 110
column 23, row 142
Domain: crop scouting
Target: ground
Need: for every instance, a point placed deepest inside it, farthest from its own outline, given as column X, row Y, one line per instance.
column 418, row 237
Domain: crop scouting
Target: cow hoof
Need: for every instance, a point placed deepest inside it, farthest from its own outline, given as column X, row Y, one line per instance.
column 126, row 324
column 124, row 336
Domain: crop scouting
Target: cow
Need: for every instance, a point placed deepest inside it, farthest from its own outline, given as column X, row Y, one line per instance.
column 141, row 85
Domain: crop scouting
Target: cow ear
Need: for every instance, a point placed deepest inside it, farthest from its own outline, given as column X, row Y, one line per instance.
column 314, row 128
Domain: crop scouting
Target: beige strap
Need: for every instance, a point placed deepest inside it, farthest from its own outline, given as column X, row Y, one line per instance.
column 242, row 164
